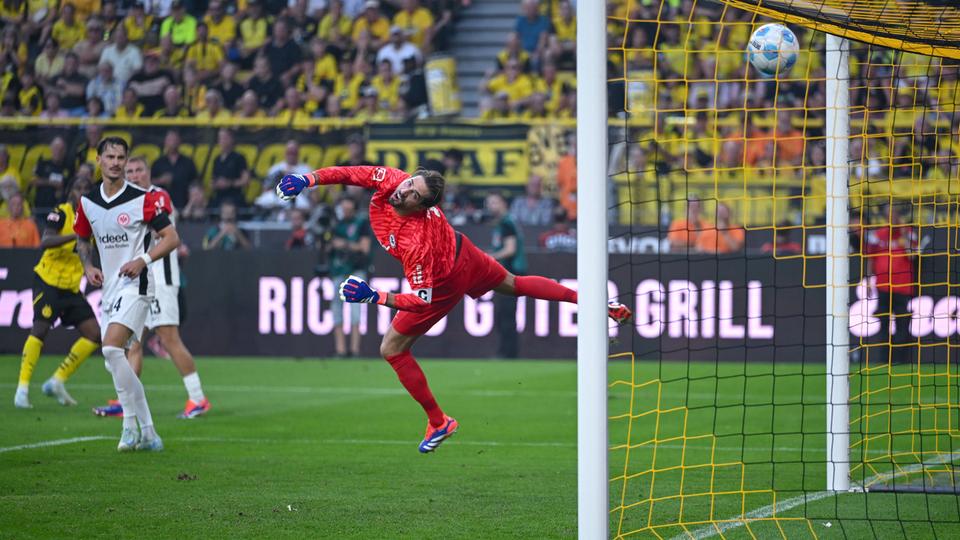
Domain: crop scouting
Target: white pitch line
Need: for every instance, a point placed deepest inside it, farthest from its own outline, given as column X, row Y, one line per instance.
column 56, row 442
column 767, row 511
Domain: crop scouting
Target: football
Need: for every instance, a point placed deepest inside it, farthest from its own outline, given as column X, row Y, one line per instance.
column 773, row 49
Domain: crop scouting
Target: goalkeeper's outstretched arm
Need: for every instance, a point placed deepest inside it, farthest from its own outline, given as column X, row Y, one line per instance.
column 356, row 290
column 364, row 176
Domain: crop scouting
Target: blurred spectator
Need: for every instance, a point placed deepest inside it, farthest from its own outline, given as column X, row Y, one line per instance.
column 517, row 85
column 67, row 31
column 335, row 26
column 88, row 49
column 560, row 237
column 398, row 50
column 387, row 86
column 567, row 177
column 293, row 110
column 110, row 17
column 416, row 22
column 230, row 90
column 169, row 56
column 230, row 174
column 129, row 107
column 106, row 87
column 10, row 181
column 149, row 84
column 174, row 171
column 30, row 96
column 95, row 108
column 684, row 233
column 136, row 24
column 49, row 62
column 52, row 108
column 225, row 235
column 507, row 248
column 300, row 236
column 180, row 26
column 349, row 255
column 204, row 55
column 249, row 106
column 252, row 34
column 562, row 43
column 369, row 106
column 536, row 107
column 499, row 108
column 18, row 230
column 725, row 237
column 86, row 152
column 172, row 104
column 50, row 176
column 373, row 24
column 789, row 142
column 222, row 28
column 13, row 53
column 533, row 28
column 264, row 84
column 196, row 207
column 346, row 87
column 71, row 86
column 214, row 109
column 782, row 243
column 532, row 209
column 356, row 152
column 513, row 50
column 282, row 53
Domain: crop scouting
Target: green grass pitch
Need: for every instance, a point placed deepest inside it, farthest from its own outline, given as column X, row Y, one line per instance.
column 319, row 449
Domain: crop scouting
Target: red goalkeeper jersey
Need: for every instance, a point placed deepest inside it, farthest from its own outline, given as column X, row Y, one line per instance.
column 424, row 243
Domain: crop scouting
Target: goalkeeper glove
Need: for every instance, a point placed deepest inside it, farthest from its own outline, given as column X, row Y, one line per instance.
column 291, row 185
column 356, row 290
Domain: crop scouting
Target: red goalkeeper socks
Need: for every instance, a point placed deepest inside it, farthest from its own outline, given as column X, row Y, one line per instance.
column 413, row 379
column 543, row 288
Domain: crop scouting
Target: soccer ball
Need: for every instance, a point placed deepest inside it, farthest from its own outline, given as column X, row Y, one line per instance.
column 773, row 49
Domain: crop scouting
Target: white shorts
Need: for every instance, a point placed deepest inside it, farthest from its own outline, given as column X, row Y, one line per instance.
column 164, row 309
column 128, row 309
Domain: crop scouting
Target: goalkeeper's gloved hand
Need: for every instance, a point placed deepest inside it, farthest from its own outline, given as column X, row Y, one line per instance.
column 291, row 185
column 356, row 290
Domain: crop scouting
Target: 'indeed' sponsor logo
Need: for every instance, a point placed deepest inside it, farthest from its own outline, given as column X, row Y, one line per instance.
column 109, row 240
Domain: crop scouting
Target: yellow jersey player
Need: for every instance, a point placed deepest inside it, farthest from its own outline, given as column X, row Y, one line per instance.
column 56, row 294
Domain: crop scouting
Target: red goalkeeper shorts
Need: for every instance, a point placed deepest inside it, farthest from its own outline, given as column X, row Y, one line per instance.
column 474, row 273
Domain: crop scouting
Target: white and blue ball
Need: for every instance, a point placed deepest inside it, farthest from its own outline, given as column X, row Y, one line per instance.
column 773, row 49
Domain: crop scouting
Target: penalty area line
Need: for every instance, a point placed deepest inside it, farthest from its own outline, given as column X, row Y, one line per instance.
column 55, row 442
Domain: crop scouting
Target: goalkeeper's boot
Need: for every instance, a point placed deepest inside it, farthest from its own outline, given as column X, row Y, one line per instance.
column 55, row 388
column 618, row 312
column 194, row 409
column 436, row 435
column 112, row 408
column 153, row 444
column 129, row 439
column 21, row 399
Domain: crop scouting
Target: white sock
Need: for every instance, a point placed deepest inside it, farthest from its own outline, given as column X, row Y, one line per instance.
column 21, row 387
column 194, row 390
column 147, row 432
column 129, row 388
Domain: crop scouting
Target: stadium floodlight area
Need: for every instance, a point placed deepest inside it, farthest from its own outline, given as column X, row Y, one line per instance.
column 794, row 372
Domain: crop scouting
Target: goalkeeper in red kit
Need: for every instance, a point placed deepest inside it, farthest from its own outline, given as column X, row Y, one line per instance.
column 440, row 264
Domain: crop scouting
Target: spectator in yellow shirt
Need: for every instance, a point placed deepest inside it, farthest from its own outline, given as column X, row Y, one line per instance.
column 205, row 55
column 18, row 230
column 513, row 50
column 499, row 108
column 222, row 29
column 180, row 26
column 517, row 85
column 292, row 111
column 369, row 107
column 335, row 26
column 249, row 106
column 373, row 23
column 346, row 87
column 253, row 33
column 214, row 107
column 129, row 106
column 68, row 31
column 387, row 86
column 417, row 22
column 137, row 23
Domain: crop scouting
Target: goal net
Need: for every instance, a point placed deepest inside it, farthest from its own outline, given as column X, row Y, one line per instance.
column 724, row 415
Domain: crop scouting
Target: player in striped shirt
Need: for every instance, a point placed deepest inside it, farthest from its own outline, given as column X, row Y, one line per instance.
column 440, row 264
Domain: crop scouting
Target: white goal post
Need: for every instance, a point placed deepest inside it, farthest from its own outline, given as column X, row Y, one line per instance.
column 592, row 347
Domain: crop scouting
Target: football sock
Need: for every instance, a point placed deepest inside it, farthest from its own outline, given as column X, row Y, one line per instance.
column 413, row 379
column 543, row 288
column 82, row 348
column 31, row 353
column 129, row 388
column 194, row 390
